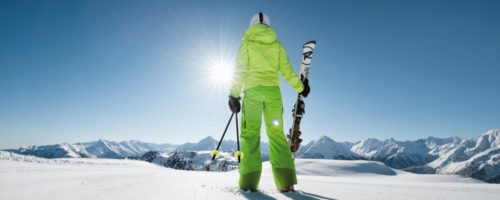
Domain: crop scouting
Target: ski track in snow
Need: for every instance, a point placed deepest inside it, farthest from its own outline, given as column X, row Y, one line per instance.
column 25, row 177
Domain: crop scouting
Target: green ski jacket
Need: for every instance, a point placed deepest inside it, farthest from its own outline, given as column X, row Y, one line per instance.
column 261, row 56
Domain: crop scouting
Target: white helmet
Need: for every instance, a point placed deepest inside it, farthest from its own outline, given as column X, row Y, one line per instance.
column 260, row 18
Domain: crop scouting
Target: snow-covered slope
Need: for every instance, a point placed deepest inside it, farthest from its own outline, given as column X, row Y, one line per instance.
column 343, row 168
column 83, row 179
column 96, row 149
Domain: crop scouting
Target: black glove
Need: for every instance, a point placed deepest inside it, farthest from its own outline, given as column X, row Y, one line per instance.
column 307, row 89
column 234, row 104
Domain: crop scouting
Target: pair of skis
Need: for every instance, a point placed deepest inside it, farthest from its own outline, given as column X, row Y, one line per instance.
column 298, row 112
column 299, row 107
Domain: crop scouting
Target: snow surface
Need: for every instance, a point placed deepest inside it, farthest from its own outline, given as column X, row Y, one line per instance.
column 28, row 177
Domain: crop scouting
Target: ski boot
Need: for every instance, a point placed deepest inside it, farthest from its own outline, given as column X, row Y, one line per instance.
column 287, row 189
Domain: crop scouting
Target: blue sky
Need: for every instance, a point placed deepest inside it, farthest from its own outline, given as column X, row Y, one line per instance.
column 83, row 70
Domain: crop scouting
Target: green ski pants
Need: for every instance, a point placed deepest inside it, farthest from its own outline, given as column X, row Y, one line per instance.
column 257, row 101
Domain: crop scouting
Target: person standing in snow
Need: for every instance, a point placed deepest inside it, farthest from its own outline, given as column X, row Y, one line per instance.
column 260, row 59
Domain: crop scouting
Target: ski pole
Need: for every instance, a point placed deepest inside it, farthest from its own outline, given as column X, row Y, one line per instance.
column 222, row 138
column 237, row 137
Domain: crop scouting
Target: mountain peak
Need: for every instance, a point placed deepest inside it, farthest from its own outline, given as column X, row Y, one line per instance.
column 324, row 139
column 208, row 142
column 391, row 140
column 102, row 140
column 370, row 140
column 492, row 132
column 207, row 139
column 371, row 143
column 490, row 138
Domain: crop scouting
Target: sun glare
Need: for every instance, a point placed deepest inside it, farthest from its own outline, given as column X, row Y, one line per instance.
column 210, row 56
column 221, row 72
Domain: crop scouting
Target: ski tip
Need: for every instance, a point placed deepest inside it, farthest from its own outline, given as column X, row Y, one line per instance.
column 311, row 42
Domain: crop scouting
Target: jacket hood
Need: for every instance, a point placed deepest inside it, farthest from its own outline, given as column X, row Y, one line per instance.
column 260, row 33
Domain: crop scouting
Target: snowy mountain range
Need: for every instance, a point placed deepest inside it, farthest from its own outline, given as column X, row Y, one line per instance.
column 96, row 149
column 133, row 148
column 471, row 157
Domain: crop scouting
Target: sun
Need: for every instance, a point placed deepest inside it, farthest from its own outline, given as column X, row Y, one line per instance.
column 221, row 72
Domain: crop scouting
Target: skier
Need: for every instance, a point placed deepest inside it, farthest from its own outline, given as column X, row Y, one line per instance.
column 260, row 58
